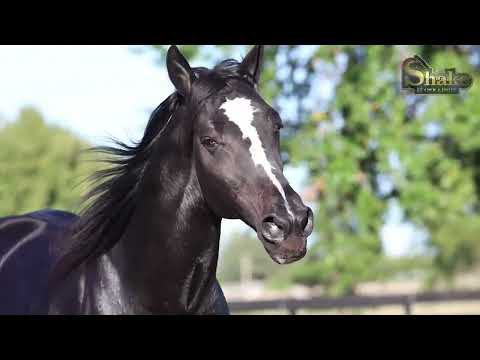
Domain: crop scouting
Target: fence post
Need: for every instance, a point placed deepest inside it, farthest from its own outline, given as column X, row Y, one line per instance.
column 292, row 310
column 408, row 305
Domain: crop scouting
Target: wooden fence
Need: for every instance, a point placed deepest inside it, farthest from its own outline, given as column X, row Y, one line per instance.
column 293, row 305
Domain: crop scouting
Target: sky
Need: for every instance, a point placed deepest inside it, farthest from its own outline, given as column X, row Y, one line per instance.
column 100, row 91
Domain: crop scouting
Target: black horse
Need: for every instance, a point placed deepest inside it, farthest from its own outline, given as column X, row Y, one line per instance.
column 147, row 240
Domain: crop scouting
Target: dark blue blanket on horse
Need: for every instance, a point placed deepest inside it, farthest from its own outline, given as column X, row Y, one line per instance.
column 29, row 246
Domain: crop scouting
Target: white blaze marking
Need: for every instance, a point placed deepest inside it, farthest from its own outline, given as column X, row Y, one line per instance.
column 240, row 111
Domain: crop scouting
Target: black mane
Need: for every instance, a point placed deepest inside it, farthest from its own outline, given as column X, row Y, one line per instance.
column 110, row 203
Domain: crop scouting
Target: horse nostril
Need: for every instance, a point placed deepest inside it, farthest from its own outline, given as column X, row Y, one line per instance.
column 306, row 222
column 273, row 229
column 271, row 220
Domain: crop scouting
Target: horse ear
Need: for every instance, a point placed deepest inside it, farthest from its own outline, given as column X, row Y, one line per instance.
column 179, row 71
column 252, row 64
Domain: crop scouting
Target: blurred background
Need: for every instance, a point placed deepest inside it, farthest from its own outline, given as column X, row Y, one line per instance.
column 393, row 178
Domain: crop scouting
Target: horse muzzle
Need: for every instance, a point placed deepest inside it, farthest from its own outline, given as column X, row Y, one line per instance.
column 284, row 237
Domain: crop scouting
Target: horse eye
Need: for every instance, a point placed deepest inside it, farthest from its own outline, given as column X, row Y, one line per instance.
column 209, row 143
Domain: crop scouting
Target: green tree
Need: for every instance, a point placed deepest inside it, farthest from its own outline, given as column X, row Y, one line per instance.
column 40, row 166
column 369, row 144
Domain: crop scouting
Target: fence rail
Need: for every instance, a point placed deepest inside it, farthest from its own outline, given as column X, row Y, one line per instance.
column 293, row 305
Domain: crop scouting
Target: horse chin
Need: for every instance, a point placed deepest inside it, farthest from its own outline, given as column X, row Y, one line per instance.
column 285, row 261
column 283, row 257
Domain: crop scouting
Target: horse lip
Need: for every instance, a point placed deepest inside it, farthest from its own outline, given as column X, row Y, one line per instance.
column 287, row 260
column 283, row 259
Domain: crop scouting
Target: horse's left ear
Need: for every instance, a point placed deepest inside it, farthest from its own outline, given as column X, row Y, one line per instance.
column 179, row 71
column 252, row 64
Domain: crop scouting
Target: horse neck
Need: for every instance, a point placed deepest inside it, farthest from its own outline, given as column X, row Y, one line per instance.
column 166, row 260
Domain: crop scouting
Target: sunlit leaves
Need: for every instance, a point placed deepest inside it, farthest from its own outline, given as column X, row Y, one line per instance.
column 372, row 142
column 40, row 166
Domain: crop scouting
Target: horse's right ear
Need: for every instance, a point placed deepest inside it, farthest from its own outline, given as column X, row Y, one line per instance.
column 179, row 71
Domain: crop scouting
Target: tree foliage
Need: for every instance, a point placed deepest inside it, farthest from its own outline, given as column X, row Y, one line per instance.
column 40, row 166
column 371, row 143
